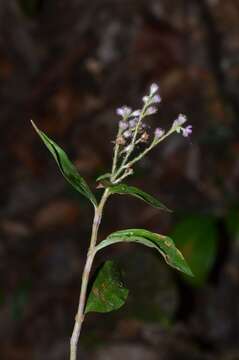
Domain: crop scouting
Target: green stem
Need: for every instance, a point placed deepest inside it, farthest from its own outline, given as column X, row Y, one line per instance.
column 86, row 275
column 116, row 151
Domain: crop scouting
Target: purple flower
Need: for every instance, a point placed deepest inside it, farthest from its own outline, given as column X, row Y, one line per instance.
column 127, row 134
column 159, row 133
column 153, row 89
column 187, row 130
column 124, row 111
column 123, row 125
column 151, row 110
column 156, row 99
column 180, row 120
column 132, row 123
column 136, row 113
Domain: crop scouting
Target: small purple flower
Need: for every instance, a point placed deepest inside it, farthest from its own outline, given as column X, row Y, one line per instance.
column 180, row 120
column 156, row 99
column 151, row 110
column 136, row 113
column 123, row 125
column 159, row 133
column 124, row 111
column 187, row 130
column 132, row 123
column 153, row 89
column 127, row 134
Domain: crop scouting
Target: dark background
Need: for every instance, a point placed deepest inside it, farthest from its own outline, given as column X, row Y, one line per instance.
column 68, row 65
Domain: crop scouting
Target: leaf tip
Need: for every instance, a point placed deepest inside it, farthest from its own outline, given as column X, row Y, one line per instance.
column 34, row 126
column 188, row 271
column 32, row 122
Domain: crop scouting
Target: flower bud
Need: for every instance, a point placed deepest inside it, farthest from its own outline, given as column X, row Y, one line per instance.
column 124, row 111
column 144, row 137
column 127, row 134
column 158, row 133
column 123, row 125
column 187, row 131
column 151, row 110
column 153, row 89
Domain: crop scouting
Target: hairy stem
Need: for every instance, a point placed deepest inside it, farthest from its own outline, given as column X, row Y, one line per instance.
column 85, row 277
column 116, row 152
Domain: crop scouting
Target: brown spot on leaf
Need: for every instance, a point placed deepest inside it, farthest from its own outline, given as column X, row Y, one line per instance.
column 168, row 243
column 96, row 292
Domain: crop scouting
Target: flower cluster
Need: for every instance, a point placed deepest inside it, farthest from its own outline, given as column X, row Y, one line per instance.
column 177, row 126
column 132, row 121
column 128, row 122
column 133, row 130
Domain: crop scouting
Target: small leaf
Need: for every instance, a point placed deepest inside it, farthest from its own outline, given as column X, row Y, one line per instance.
column 108, row 292
column 163, row 244
column 197, row 237
column 103, row 177
column 67, row 169
column 124, row 189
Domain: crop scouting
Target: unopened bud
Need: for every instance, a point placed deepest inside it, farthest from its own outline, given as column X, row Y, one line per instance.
column 120, row 140
column 144, row 137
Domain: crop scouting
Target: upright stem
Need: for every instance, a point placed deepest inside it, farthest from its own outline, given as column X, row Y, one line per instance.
column 85, row 277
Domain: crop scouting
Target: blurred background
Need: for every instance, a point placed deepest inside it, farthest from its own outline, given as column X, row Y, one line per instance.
column 68, row 65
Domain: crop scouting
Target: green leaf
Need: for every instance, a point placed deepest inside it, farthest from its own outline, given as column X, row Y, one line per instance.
column 124, row 189
column 108, row 292
column 232, row 222
column 103, row 177
column 163, row 244
column 67, row 169
column 197, row 238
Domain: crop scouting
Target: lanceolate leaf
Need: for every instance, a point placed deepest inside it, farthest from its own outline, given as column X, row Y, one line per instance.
column 134, row 191
column 108, row 292
column 67, row 169
column 163, row 244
